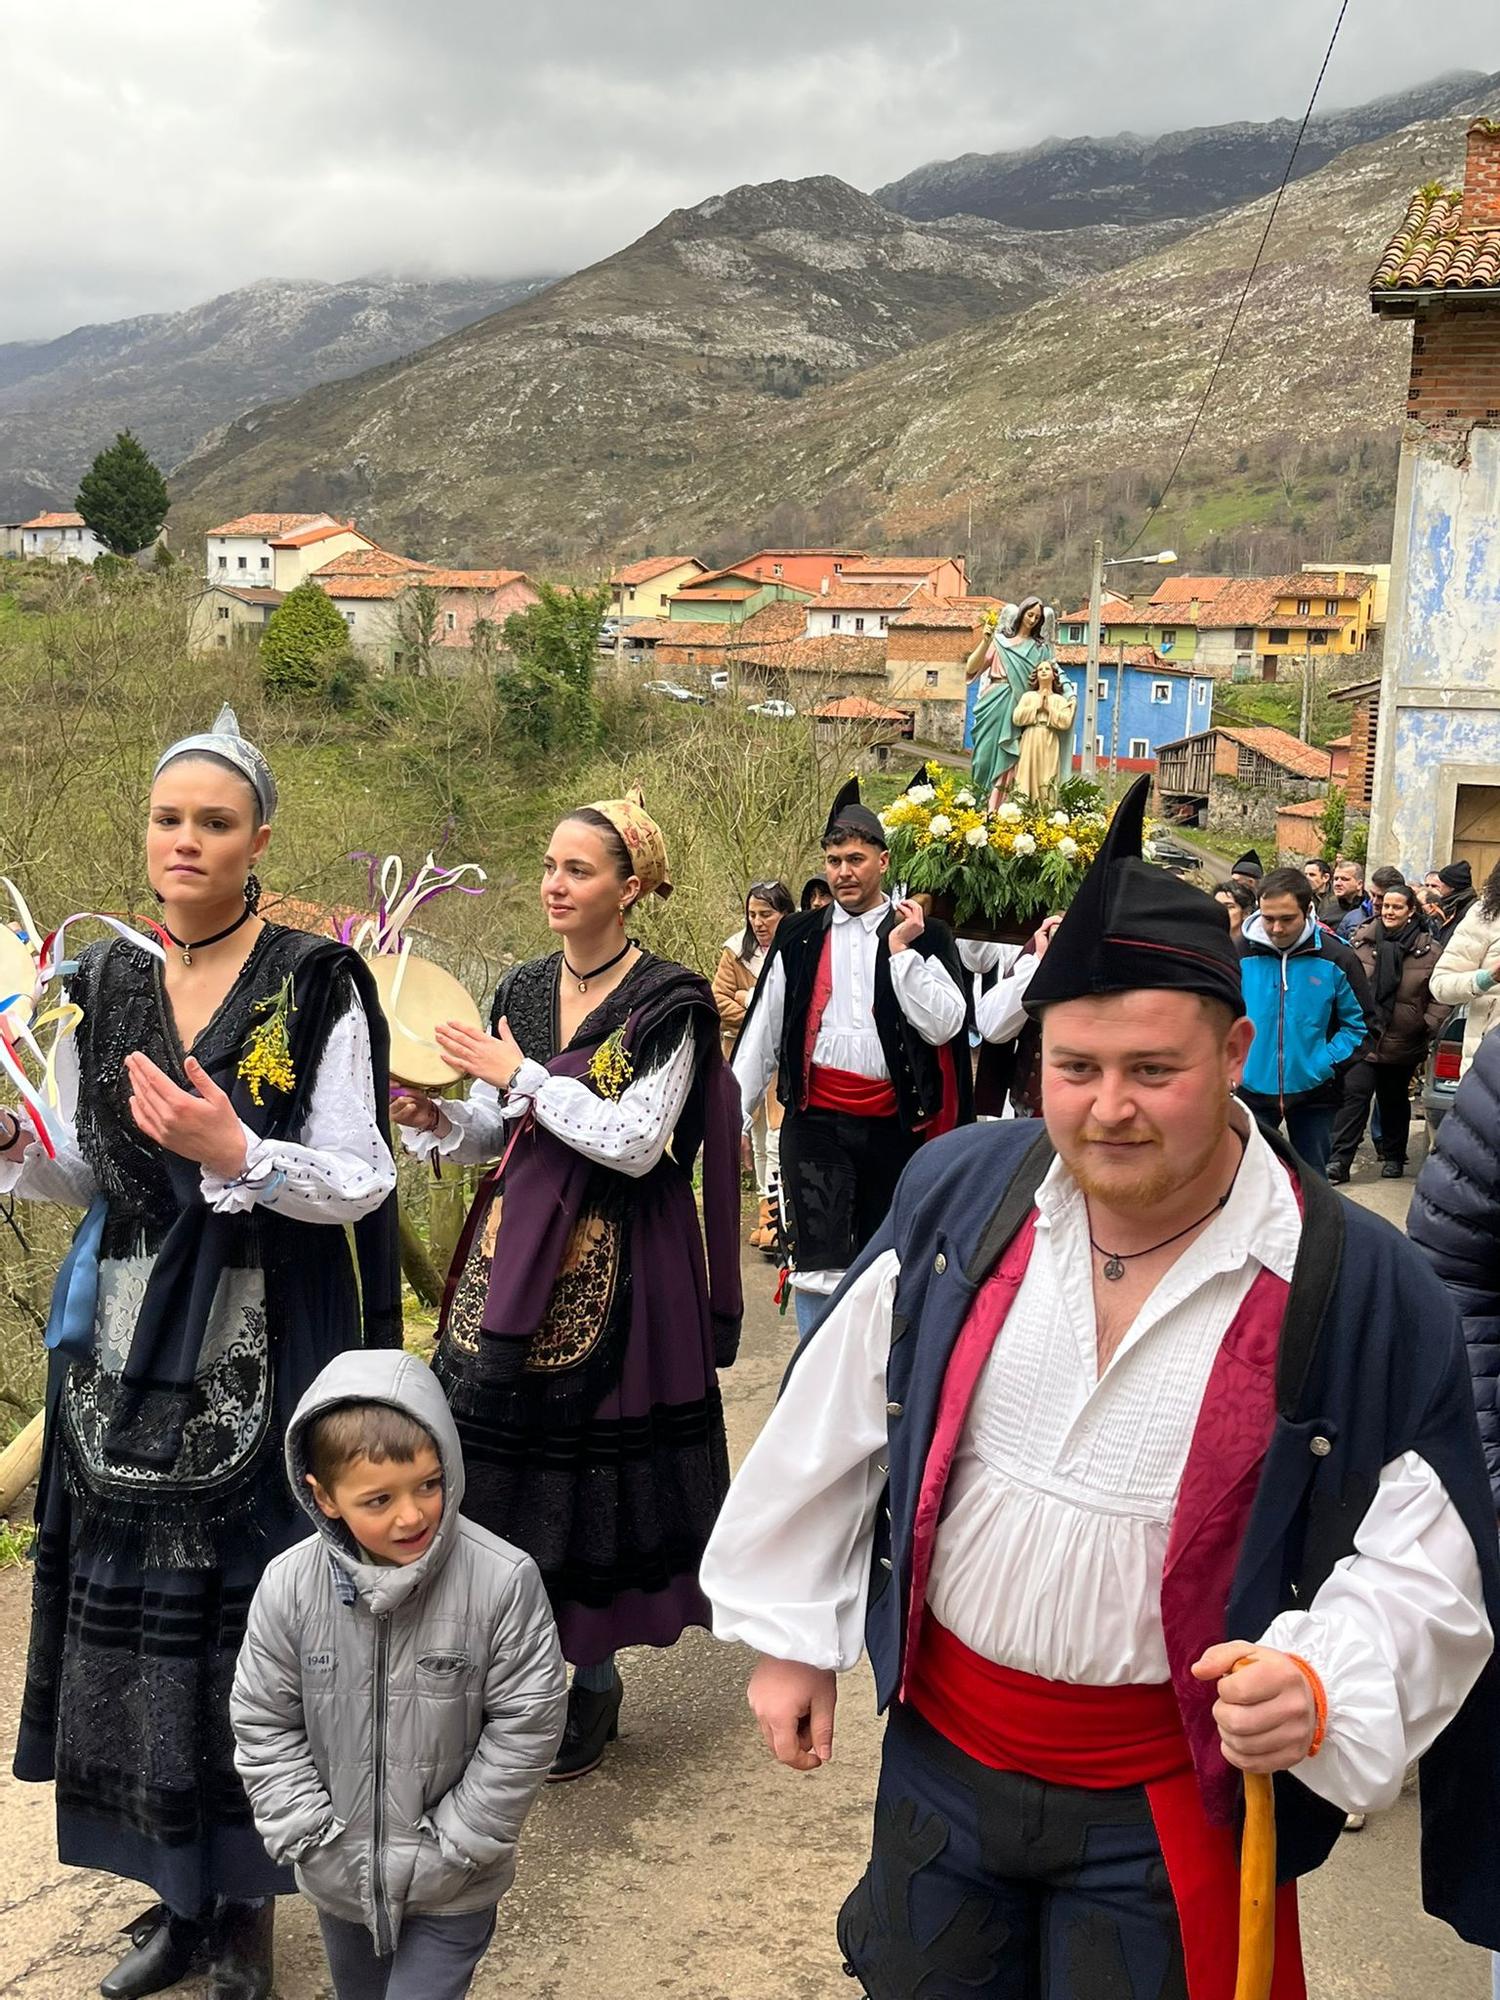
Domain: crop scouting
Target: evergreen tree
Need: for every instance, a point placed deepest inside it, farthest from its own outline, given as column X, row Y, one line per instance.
column 304, row 635
column 123, row 497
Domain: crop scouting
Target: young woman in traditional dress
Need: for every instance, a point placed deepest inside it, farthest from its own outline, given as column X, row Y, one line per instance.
column 741, row 963
column 583, row 1323
column 223, row 1121
column 1007, row 658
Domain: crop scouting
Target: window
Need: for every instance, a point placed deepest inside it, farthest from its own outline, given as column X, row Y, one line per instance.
column 1073, row 635
column 1244, row 639
column 631, row 593
column 1139, row 747
column 1160, row 691
column 1330, row 607
column 1279, row 637
column 242, row 562
column 348, row 617
column 450, row 619
column 1168, row 638
column 859, row 624
column 1318, row 638
column 835, row 620
column 1103, row 689
column 1304, row 607
column 223, row 638
column 223, row 611
column 1202, row 691
column 265, row 562
column 880, row 622
column 1099, row 749
column 838, row 569
column 932, row 677
column 776, row 569
column 223, row 562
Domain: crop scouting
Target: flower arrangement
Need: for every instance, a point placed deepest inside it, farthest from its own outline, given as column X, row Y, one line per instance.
column 267, row 1059
column 1002, row 870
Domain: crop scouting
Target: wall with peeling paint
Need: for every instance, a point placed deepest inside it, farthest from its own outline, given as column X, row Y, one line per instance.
column 1440, row 685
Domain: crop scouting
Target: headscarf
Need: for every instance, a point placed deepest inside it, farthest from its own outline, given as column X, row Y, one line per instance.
column 643, row 840
column 225, row 742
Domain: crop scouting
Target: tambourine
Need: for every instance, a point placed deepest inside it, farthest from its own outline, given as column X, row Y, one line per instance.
column 415, row 995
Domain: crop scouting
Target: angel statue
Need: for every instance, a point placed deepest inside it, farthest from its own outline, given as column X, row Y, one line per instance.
column 1008, row 654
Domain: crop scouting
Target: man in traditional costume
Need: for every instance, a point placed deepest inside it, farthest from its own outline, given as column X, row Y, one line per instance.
column 860, row 1015
column 1101, row 1413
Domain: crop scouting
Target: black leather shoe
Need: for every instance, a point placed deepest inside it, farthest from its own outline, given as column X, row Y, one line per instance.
column 1392, row 1170
column 163, row 1949
column 241, row 1968
column 1338, row 1173
column 593, row 1724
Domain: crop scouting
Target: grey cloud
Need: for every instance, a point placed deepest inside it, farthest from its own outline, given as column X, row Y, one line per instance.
column 169, row 153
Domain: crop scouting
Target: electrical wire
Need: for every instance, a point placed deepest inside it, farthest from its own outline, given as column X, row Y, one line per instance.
column 1249, row 281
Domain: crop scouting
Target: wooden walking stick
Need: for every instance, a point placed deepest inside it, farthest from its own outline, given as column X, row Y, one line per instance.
column 1257, row 1891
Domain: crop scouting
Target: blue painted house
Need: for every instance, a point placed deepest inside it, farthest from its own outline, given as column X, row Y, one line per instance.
column 1148, row 702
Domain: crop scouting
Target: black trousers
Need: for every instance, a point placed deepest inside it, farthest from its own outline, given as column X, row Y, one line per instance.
column 838, row 1175
column 1390, row 1086
column 986, row 1885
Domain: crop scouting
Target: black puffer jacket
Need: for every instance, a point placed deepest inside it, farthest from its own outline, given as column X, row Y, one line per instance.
column 1455, row 1219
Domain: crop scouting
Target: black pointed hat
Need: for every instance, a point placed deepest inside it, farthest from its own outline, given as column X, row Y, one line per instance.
column 1133, row 925
column 1249, row 864
column 921, row 776
column 848, row 816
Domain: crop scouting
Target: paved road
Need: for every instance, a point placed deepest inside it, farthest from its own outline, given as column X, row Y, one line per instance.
column 692, row 1868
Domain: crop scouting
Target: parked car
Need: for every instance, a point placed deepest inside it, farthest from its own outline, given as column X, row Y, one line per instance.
column 719, row 682
column 1440, row 1077
column 779, row 711
column 672, row 691
column 609, row 631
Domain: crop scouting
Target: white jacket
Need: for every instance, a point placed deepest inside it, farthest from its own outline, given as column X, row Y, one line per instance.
column 1475, row 945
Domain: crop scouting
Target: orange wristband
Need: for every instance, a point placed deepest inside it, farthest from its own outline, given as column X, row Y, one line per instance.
column 1320, row 1702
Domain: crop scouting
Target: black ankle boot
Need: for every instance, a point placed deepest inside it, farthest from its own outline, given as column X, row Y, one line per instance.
column 163, row 1949
column 593, row 1723
column 241, row 1967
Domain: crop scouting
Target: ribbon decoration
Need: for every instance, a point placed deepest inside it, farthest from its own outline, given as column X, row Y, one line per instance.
column 394, row 907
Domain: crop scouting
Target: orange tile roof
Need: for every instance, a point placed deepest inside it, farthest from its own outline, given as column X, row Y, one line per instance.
column 1112, row 607
column 55, row 521
column 322, row 919
column 1303, row 809
column 871, row 596
column 833, row 657
column 944, row 614
column 250, row 593
column 1175, row 589
column 651, row 566
column 693, row 635
column 773, row 623
column 474, row 579
column 365, row 586
column 720, row 596
column 305, row 537
column 369, row 562
column 877, row 566
column 1341, row 743
column 266, row 525
column 1135, row 656
column 857, row 708
column 1435, row 250
column 1279, row 747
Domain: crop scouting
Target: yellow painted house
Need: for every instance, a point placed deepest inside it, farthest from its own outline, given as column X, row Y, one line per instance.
column 641, row 589
column 1260, row 625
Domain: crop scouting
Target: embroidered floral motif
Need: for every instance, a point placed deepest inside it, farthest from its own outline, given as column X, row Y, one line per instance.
column 267, row 1061
column 610, row 1068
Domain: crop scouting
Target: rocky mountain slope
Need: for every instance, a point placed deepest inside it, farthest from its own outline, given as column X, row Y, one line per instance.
column 1065, row 183
column 548, row 428
column 173, row 377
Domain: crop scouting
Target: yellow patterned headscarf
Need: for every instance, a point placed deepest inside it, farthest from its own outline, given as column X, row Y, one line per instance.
column 643, row 840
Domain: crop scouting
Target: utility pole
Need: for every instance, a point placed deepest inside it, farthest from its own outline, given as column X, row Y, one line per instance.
column 1114, row 726
column 1307, row 691
column 1091, row 671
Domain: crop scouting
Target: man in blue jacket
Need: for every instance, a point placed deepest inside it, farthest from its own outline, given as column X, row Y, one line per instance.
column 1311, row 1007
column 1113, row 1404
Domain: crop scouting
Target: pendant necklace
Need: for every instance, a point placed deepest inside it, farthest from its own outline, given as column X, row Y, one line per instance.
column 583, row 978
column 201, row 944
column 1116, row 1260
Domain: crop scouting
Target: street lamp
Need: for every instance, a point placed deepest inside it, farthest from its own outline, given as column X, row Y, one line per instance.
column 1091, row 673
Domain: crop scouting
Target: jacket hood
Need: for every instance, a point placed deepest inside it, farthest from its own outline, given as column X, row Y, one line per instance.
column 380, row 1375
column 1253, row 933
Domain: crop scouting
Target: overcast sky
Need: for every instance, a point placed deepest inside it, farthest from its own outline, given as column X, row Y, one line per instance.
column 156, row 155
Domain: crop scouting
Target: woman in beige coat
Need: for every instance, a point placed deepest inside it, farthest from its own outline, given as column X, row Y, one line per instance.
column 734, row 980
column 1468, row 973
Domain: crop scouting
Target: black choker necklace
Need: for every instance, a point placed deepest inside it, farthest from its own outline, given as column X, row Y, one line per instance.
column 1116, row 1260
column 583, row 978
column 202, row 944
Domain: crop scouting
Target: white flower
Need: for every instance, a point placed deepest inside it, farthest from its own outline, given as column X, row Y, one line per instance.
column 964, row 798
column 1008, row 813
column 1024, row 843
column 1059, row 819
column 938, row 825
column 976, row 836
column 922, row 795
column 1067, row 846
column 1148, row 850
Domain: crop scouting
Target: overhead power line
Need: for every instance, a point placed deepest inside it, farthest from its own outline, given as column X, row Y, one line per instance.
column 1265, row 236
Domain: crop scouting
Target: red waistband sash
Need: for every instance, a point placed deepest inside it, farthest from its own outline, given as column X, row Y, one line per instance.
column 1105, row 1738
column 857, row 1096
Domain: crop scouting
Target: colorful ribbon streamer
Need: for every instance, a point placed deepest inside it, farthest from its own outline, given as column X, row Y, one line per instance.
column 395, row 907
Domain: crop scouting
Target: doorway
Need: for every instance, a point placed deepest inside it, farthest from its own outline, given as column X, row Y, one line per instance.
column 1476, row 828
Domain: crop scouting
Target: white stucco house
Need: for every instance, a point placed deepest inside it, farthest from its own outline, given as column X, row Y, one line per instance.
column 60, row 538
column 276, row 551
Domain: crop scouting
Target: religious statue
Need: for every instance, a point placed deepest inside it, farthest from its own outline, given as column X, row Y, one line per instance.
column 1015, row 645
column 1044, row 716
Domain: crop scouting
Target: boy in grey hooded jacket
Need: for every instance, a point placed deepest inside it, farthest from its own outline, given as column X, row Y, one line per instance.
column 400, row 1694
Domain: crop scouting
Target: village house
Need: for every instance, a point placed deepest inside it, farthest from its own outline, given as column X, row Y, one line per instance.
column 1144, row 701
column 55, row 537
column 1436, row 790
column 1235, row 780
column 1299, row 832
column 276, row 551
column 730, row 596
column 860, row 610
column 1256, row 627
column 1169, row 632
column 811, row 570
column 643, row 589
column 928, row 643
column 1358, row 773
column 367, row 587
column 224, row 614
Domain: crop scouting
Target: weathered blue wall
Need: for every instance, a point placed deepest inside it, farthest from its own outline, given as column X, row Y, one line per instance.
column 1440, row 685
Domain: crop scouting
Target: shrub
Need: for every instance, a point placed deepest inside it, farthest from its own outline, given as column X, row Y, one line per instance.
column 304, row 635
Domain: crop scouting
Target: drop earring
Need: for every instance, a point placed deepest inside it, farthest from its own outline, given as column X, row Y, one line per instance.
column 252, row 892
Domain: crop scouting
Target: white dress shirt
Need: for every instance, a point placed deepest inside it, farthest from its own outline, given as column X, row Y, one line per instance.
column 1000, row 1014
column 1049, row 1554
column 338, row 1169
